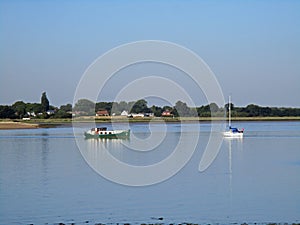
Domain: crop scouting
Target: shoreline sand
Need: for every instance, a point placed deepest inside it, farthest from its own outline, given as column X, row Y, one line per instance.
column 10, row 125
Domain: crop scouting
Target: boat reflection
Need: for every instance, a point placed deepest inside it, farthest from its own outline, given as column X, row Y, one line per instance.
column 234, row 144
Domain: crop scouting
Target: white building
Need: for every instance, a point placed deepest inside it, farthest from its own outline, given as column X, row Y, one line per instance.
column 124, row 113
column 134, row 115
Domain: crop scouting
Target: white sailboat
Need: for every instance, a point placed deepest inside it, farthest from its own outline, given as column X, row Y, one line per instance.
column 233, row 132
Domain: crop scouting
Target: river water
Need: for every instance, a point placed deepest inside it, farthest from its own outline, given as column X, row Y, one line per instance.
column 45, row 178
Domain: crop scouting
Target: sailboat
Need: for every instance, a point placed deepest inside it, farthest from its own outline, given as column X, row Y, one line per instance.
column 233, row 131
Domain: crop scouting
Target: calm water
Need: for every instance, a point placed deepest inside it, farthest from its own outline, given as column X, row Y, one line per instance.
column 45, row 179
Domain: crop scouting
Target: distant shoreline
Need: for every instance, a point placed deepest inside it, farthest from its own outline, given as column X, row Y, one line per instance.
column 48, row 123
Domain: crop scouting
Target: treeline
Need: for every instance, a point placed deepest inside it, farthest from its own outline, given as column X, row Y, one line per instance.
column 182, row 109
column 42, row 110
column 87, row 107
column 20, row 109
column 259, row 111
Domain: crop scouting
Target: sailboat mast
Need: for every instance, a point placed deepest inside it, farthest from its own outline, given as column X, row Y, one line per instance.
column 229, row 112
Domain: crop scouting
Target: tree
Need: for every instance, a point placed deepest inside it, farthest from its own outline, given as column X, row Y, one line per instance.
column 183, row 110
column 7, row 112
column 66, row 108
column 119, row 107
column 44, row 102
column 232, row 107
column 252, row 110
column 204, row 111
column 104, row 105
column 86, row 106
column 20, row 108
column 34, row 107
column 140, row 106
column 156, row 110
column 213, row 107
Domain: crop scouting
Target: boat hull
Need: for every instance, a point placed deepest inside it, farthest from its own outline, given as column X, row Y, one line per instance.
column 230, row 134
column 119, row 134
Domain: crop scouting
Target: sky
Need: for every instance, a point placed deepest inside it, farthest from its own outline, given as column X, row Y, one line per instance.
column 252, row 47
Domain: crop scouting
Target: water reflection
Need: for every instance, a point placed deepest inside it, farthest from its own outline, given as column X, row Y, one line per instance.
column 45, row 153
column 125, row 150
column 97, row 148
column 96, row 143
column 118, row 160
column 233, row 145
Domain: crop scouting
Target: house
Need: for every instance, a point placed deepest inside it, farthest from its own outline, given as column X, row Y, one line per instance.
column 124, row 113
column 167, row 113
column 102, row 112
column 149, row 114
column 50, row 112
column 78, row 113
column 31, row 114
column 134, row 115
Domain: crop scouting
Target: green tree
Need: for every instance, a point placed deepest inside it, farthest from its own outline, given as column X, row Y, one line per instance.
column 86, row 106
column 204, row 111
column 140, row 106
column 252, row 110
column 183, row 110
column 156, row 110
column 104, row 105
column 44, row 102
column 231, row 106
column 20, row 108
column 66, row 108
column 7, row 112
column 34, row 107
column 65, row 111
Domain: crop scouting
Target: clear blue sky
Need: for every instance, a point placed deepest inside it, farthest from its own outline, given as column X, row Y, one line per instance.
column 253, row 47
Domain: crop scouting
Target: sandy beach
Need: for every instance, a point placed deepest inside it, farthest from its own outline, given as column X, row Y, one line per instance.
column 17, row 125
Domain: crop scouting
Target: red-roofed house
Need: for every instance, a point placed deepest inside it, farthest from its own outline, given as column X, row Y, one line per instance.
column 103, row 112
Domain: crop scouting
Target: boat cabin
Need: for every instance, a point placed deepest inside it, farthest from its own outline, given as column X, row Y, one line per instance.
column 100, row 129
column 235, row 130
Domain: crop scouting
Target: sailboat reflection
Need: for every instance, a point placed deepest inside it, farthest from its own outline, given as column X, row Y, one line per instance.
column 231, row 142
